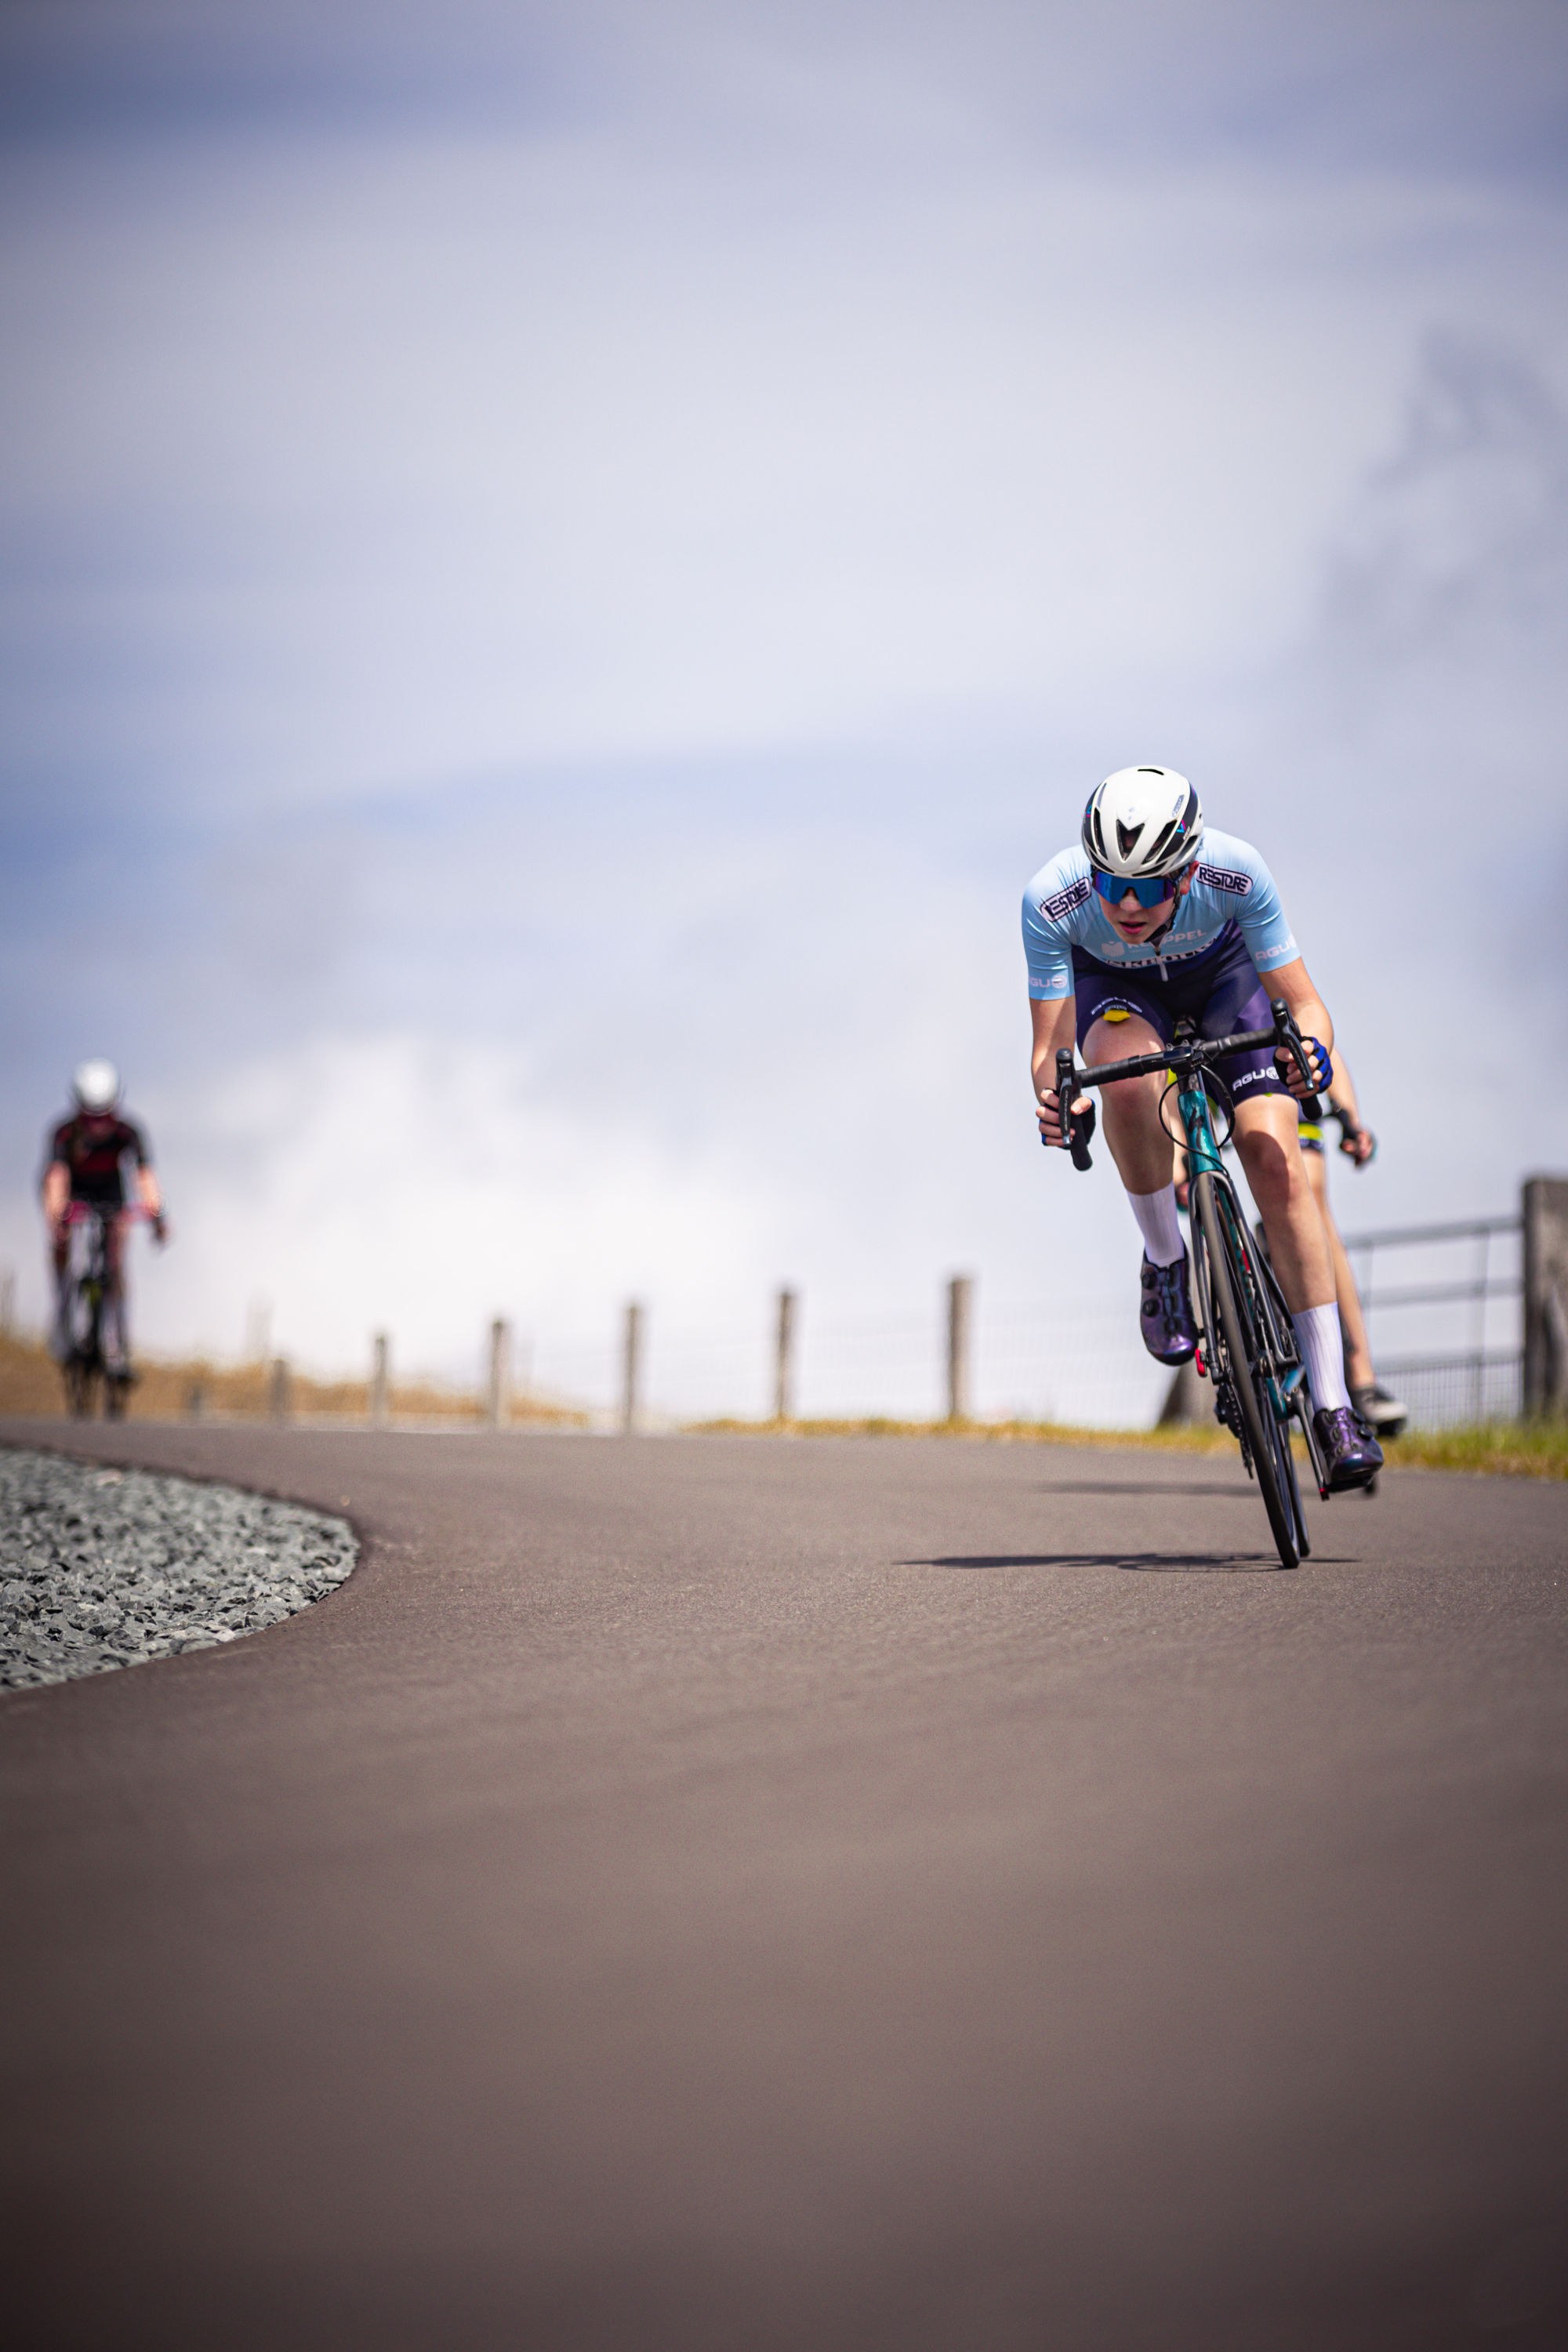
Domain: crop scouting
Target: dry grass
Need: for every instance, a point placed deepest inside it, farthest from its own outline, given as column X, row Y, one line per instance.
column 1181, row 1438
column 1503, row 1449
column 184, row 1391
column 30, row 1385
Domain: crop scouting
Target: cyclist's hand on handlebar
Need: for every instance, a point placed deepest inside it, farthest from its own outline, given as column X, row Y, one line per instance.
column 1360, row 1144
column 1318, row 1062
column 1049, row 1116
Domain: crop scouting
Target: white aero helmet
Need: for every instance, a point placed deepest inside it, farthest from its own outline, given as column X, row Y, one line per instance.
column 1142, row 821
column 96, row 1085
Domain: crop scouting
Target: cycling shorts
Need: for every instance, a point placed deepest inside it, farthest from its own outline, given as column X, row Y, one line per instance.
column 1219, row 990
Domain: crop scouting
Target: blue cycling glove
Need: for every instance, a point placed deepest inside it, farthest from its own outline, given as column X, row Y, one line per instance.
column 1317, row 1061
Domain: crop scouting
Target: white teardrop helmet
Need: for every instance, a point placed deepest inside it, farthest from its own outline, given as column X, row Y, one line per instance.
column 1142, row 821
column 96, row 1085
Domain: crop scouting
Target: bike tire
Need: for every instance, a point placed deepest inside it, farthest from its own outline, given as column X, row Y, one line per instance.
column 1238, row 1330
column 1300, row 1412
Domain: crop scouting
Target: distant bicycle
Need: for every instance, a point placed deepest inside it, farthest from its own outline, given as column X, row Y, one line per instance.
column 93, row 1323
column 1248, row 1347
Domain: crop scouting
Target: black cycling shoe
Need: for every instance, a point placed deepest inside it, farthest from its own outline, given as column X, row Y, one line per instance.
column 1383, row 1414
column 1165, row 1314
column 1352, row 1456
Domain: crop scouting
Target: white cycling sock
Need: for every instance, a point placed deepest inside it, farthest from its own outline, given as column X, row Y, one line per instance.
column 1324, row 1353
column 1156, row 1215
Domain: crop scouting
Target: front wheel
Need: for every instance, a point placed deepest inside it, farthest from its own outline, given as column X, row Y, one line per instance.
column 1242, row 1349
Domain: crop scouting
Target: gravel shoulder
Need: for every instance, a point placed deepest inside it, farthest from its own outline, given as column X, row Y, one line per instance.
column 106, row 1568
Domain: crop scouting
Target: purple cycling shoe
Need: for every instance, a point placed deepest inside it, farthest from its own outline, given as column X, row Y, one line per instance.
column 1165, row 1315
column 1351, row 1454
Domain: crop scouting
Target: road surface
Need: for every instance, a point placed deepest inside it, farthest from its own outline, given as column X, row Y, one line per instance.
column 722, row 1894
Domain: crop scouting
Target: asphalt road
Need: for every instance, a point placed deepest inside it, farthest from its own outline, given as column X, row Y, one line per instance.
column 727, row 1893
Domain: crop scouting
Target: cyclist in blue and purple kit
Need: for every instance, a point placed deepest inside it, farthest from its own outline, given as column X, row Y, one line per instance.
column 1148, row 918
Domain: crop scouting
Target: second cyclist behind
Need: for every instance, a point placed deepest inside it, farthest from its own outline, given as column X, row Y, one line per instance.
column 1383, row 1414
column 84, row 1162
column 1144, row 920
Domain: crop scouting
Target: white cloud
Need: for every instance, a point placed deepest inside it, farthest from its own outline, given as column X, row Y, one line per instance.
column 416, row 1184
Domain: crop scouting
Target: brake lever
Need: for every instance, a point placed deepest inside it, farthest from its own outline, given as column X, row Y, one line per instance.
column 1287, row 1040
column 1077, row 1129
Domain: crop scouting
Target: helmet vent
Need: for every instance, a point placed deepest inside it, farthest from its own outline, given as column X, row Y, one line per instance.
column 1150, row 771
column 1126, row 837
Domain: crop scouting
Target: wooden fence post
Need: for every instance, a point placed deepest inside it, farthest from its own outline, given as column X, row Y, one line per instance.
column 632, row 1370
column 784, row 1361
column 1545, row 1214
column 257, row 1330
column 380, row 1381
column 501, row 1351
column 279, row 1401
column 960, row 1298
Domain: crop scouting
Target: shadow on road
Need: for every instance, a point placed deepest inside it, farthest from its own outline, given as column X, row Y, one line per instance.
column 1234, row 1563
column 1239, row 1490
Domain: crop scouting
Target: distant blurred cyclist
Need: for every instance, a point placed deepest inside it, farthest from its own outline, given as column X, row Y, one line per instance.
column 86, row 1154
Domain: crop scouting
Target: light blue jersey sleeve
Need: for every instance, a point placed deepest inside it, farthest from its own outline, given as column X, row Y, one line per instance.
column 1057, row 906
column 1232, row 879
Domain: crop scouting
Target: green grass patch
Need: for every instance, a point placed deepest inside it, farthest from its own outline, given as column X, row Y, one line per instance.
column 1507, row 1449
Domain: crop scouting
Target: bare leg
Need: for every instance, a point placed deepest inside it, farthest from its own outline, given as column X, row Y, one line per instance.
column 1265, row 1138
column 1352, row 1323
column 116, row 1325
column 1130, row 1113
column 59, row 1263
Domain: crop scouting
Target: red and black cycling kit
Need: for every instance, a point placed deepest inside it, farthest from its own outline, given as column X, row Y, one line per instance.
column 94, row 1145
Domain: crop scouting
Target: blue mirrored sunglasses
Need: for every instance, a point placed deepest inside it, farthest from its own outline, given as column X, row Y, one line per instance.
column 1115, row 888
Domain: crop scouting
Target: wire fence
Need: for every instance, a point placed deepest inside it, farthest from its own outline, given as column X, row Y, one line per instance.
column 1470, row 1279
column 1440, row 1391
column 1084, row 1365
column 1448, row 1343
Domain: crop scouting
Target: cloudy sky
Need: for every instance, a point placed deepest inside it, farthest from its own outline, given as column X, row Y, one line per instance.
column 561, row 566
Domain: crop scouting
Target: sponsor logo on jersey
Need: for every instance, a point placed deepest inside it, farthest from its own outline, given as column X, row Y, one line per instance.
column 1066, row 900
column 1167, row 954
column 1221, row 877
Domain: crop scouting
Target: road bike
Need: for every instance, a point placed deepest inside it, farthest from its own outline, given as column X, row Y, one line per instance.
column 1247, row 1345
column 94, row 1300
